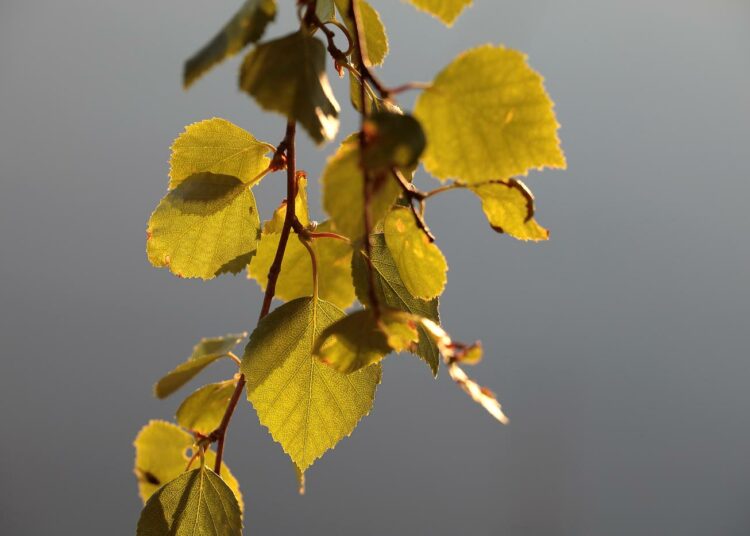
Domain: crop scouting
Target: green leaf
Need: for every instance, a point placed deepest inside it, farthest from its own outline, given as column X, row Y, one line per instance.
column 306, row 406
column 219, row 147
column 376, row 40
column 196, row 502
column 445, row 10
column 487, row 116
column 343, row 191
column 203, row 224
column 288, row 75
column 325, row 10
column 374, row 102
column 295, row 280
column 205, row 352
column 509, row 207
column 245, row 27
column 162, row 452
column 392, row 292
column 393, row 139
column 203, row 410
column 359, row 339
column 420, row 263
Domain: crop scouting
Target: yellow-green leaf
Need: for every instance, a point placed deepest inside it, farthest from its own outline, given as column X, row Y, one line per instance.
column 276, row 223
column 202, row 225
column 359, row 339
column 487, row 116
column 325, row 10
column 445, row 10
column 247, row 26
column 219, row 147
column 295, row 280
column 288, row 75
column 392, row 292
column 162, row 452
column 509, row 207
column 376, row 40
column 420, row 263
column 196, row 502
column 204, row 353
column 343, row 191
column 203, row 410
column 306, row 406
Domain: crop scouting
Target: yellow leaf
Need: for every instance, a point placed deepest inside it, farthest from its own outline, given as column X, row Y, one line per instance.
column 219, row 147
column 376, row 40
column 343, row 191
column 359, row 339
column 306, row 406
column 162, row 452
column 295, row 280
column 445, row 10
column 509, row 207
column 420, row 263
column 487, row 116
column 202, row 226
column 203, row 410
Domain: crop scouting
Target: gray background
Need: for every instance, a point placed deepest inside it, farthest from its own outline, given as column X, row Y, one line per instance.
column 619, row 348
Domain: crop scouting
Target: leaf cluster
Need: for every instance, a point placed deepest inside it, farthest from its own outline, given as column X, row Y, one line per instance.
column 358, row 286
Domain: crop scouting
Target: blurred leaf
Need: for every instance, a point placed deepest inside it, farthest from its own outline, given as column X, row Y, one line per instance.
column 420, row 263
column 196, row 502
column 219, row 147
column 276, row 223
column 325, row 10
column 162, row 452
column 205, row 352
column 203, row 224
column 295, row 280
column 392, row 292
column 288, row 75
column 247, row 26
column 376, row 40
column 509, row 207
column 359, row 339
column 306, row 406
column 343, row 191
column 203, row 410
column 445, row 10
column 393, row 139
column 487, row 116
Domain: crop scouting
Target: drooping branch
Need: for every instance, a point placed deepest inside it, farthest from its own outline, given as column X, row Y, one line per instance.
column 288, row 145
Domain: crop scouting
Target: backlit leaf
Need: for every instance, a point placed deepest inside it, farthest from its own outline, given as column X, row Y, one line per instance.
column 420, row 263
column 276, row 223
column 219, row 147
column 487, row 116
column 376, row 40
column 203, row 410
column 196, row 502
column 393, row 139
column 445, row 10
column 325, row 10
column 343, row 191
column 359, row 339
column 162, row 452
column 205, row 352
column 203, row 224
column 392, row 292
column 247, row 26
column 295, row 280
column 306, row 406
column 509, row 207
column 288, row 75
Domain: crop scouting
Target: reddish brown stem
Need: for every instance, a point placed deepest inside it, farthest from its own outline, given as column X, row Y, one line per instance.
column 219, row 435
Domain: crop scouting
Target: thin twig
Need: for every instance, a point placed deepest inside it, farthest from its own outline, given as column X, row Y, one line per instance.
column 219, row 435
